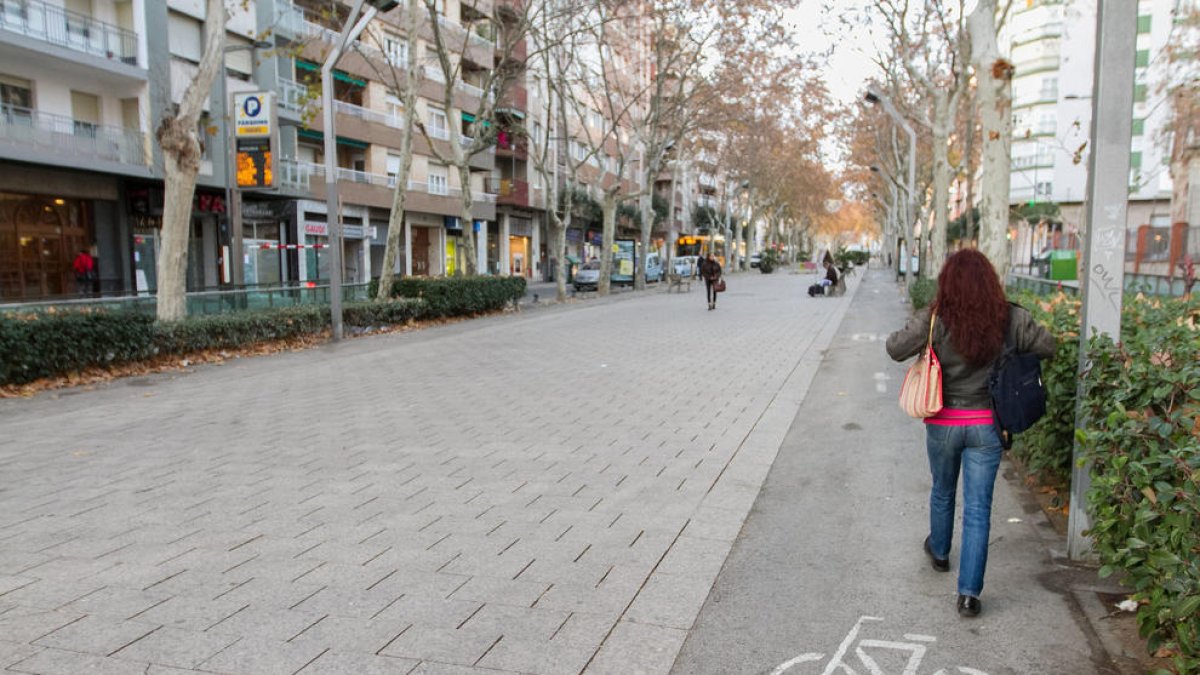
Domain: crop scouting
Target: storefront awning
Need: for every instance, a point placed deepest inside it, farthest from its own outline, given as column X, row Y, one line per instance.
column 314, row 135
column 511, row 111
column 572, row 260
column 339, row 75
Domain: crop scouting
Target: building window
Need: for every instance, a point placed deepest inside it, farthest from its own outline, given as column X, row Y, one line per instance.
column 1139, row 127
column 1043, row 190
column 1049, row 91
column 396, row 49
column 439, row 124
column 1139, row 93
column 393, row 165
column 16, row 98
column 1135, row 160
column 1143, row 58
column 439, row 180
column 1143, row 24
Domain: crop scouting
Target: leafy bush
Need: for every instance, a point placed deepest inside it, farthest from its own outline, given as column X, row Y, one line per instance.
column 922, row 292
column 229, row 331
column 46, row 344
column 393, row 312
column 461, row 296
column 1045, row 448
column 768, row 260
column 1143, row 437
column 845, row 258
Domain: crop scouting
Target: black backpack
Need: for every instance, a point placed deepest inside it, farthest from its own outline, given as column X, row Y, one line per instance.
column 1015, row 384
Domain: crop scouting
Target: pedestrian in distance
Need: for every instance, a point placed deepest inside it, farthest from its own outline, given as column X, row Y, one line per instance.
column 85, row 271
column 710, row 271
column 970, row 318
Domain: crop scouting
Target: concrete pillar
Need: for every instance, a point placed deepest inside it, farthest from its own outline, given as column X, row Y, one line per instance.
column 440, row 268
column 535, row 254
column 408, row 248
column 481, row 236
column 505, row 254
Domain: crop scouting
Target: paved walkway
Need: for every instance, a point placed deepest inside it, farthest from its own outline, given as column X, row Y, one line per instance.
column 548, row 492
column 828, row 575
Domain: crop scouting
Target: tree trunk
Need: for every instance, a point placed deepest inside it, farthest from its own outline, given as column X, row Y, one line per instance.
column 941, row 184
column 609, row 208
column 1180, row 184
column 639, row 269
column 969, row 162
column 468, row 222
column 178, row 136
column 181, row 168
column 396, row 218
column 994, row 76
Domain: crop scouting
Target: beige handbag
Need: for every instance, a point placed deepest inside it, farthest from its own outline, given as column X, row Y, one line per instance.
column 921, row 393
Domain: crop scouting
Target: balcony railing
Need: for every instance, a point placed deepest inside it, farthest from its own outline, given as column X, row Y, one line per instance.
column 294, row 96
column 295, row 175
column 432, row 188
column 59, row 135
column 72, row 30
column 469, row 89
column 394, row 121
column 1039, row 63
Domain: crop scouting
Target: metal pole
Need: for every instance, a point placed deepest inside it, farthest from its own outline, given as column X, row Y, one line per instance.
column 333, row 221
column 1107, row 195
column 227, row 157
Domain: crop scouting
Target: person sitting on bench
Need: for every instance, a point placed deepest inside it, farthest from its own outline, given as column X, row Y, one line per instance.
column 831, row 277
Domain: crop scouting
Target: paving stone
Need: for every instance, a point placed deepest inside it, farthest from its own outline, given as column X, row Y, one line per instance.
column 176, row 648
column 12, row 652
column 340, row 663
column 637, row 649
column 97, row 635
column 254, row 656
column 117, row 603
column 52, row 593
column 26, row 624
column 195, row 614
column 9, row 584
column 669, row 600
column 359, row 636
column 268, row 624
column 347, row 603
column 443, row 645
column 64, row 662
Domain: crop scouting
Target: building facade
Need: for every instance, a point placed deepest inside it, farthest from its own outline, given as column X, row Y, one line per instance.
column 1052, row 43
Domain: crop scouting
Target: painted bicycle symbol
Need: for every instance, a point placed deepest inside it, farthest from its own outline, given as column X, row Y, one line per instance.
column 869, row 653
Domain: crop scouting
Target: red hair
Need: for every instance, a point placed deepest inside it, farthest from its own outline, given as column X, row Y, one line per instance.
column 971, row 303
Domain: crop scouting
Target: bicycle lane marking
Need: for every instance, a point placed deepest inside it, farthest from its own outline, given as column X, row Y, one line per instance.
column 849, row 640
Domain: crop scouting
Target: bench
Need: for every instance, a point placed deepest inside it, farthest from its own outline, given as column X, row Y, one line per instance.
column 678, row 281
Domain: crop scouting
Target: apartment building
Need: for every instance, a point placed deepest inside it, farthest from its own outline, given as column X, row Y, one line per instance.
column 1052, row 45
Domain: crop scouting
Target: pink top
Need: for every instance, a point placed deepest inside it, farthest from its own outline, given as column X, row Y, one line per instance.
column 960, row 417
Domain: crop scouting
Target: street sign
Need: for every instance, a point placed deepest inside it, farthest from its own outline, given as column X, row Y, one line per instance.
column 254, row 114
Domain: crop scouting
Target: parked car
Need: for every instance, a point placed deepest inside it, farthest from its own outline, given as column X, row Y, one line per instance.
column 685, row 265
column 755, row 260
column 654, row 268
column 587, row 278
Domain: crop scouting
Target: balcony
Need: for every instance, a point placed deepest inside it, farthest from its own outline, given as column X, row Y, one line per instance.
column 69, row 30
column 507, row 146
column 510, row 192
column 44, row 136
column 1036, row 65
column 294, row 176
column 294, row 98
column 515, row 99
column 367, row 115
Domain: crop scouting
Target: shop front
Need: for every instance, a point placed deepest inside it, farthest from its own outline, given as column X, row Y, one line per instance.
column 209, row 262
column 314, row 264
column 520, row 242
column 265, row 226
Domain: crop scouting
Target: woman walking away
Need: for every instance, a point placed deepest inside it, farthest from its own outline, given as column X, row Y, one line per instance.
column 970, row 321
column 710, row 271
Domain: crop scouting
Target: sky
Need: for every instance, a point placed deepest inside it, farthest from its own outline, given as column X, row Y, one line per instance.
column 818, row 30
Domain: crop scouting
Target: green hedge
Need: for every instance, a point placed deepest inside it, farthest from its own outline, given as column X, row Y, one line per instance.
column 1143, row 439
column 459, row 296
column 47, row 344
column 922, row 292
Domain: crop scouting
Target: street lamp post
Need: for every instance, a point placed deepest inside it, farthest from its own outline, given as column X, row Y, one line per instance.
column 910, row 217
column 233, row 205
column 356, row 22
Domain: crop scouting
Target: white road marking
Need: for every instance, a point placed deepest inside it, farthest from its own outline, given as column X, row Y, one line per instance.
column 916, row 646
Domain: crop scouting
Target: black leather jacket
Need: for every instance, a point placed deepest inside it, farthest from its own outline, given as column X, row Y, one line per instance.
column 964, row 385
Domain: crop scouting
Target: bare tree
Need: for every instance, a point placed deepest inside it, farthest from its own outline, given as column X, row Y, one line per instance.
column 178, row 136
column 993, row 76
column 404, row 84
column 931, row 43
column 1183, row 91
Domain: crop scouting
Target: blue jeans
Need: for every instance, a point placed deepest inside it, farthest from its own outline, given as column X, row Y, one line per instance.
column 976, row 451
